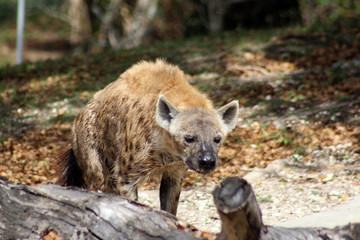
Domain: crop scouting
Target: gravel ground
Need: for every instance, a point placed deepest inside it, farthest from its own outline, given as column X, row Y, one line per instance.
column 287, row 189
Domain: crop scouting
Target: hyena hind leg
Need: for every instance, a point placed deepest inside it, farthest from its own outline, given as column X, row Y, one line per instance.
column 170, row 189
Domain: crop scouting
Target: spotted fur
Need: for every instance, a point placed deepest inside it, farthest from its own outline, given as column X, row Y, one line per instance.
column 150, row 122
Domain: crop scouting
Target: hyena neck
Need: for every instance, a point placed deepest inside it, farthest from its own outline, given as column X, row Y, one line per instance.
column 168, row 158
column 166, row 151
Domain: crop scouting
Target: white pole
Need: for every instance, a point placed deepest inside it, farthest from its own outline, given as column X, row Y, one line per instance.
column 20, row 31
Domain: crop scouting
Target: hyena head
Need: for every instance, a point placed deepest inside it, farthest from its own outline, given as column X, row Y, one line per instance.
column 197, row 133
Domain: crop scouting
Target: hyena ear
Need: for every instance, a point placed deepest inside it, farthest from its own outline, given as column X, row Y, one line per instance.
column 228, row 115
column 165, row 112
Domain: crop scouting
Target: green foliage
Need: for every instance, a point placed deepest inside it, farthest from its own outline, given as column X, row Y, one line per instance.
column 286, row 137
column 331, row 15
column 8, row 10
column 264, row 199
column 301, row 150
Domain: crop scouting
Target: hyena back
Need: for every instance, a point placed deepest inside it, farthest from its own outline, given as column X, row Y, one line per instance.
column 150, row 122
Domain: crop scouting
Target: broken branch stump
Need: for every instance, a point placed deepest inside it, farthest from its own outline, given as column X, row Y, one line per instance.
column 241, row 218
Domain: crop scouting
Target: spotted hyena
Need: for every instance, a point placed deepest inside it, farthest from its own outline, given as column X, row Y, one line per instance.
column 149, row 122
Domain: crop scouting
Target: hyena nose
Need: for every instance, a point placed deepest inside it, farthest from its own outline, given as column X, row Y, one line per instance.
column 207, row 161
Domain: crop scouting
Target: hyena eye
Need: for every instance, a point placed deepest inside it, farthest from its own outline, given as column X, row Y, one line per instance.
column 217, row 139
column 189, row 139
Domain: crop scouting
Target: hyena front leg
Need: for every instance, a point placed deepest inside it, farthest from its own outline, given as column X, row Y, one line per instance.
column 122, row 186
column 128, row 190
column 170, row 189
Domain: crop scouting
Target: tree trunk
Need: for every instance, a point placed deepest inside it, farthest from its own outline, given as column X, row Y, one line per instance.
column 53, row 212
column 216, row 12
column 238, row 209
column 78, row 15
column 108, row 16
column 241, row 218
column 139, row 25
column 123, row 26
column 308, row 13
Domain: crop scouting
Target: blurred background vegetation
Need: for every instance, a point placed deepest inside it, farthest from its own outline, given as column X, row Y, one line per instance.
column 84, row 26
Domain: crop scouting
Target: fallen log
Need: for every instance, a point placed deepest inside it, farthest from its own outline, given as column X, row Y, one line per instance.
column 50, row 211
column 241, row 218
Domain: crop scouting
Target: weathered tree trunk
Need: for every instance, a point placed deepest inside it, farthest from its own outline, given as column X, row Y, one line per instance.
column 135, row 22
column 50, row 210
column 78, row 15
column 53, row 212
column 139, row 25
column 238, row 209
column 107, row 18
column 241, row 218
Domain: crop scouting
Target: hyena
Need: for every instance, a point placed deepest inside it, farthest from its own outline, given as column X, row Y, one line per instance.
column 149, row 122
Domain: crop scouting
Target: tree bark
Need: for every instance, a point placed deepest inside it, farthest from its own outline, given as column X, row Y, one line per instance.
column 238, row 209
column 78, row 15
column 53, row 212
column 241, row 218
column 107, row 18
column 50, row 210
column 139, row 25
column 216, row 11
column 135, row 21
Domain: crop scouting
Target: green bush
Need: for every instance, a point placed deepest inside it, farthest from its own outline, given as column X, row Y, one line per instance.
column 330, row 15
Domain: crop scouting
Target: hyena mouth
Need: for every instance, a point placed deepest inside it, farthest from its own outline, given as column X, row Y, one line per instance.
column 199, row 169
column 205, row 171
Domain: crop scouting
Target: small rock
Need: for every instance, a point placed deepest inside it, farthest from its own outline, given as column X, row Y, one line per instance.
column 334, row 193
column 328, row 177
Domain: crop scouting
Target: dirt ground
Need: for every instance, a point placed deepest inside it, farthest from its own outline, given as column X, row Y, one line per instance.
column 286, row 189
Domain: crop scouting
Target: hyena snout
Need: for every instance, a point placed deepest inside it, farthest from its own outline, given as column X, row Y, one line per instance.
column 207, row 158
column 207, row 161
